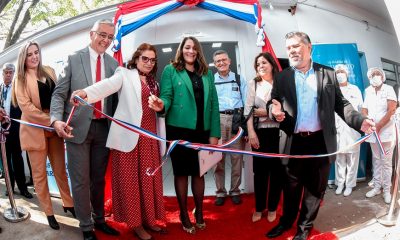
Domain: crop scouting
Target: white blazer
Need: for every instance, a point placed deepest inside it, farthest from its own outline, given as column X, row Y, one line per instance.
column 129, row 109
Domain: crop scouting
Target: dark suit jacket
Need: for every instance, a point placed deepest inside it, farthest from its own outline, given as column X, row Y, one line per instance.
column 15, row 113
column 330, row 100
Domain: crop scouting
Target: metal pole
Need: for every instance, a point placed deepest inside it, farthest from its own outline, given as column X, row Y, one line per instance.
column 390, row 218
column 13, row 214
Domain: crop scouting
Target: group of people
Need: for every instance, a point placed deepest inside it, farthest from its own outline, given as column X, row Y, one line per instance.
column 302, row 102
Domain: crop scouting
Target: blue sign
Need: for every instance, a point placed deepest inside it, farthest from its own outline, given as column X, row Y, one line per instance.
column 330, row 55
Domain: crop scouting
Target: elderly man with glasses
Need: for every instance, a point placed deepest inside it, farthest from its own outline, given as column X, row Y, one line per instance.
column 87, row 133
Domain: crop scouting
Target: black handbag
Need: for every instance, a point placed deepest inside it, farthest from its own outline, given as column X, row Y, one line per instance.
column 238, row 120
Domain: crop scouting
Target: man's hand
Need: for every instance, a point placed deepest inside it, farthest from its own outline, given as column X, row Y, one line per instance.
column 3, row 113
column 277, row 111
column 368, row 126
column 80, row 93
column 156, row 103
column 62, row 129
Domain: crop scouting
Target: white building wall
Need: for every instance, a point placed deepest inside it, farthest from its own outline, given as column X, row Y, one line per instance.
column 326, row 27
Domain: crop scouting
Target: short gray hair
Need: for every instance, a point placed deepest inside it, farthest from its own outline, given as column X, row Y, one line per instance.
column 102, row 21
column 219, row 52
column 9, row 66
column 303, row 36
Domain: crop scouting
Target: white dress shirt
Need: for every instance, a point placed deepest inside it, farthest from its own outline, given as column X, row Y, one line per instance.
column 7, row 99
column 93, row 64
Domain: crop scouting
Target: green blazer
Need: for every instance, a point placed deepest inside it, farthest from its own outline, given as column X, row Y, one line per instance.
column 180, row 105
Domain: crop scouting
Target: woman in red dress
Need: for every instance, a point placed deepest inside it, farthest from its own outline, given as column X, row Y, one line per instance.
column 137, row 198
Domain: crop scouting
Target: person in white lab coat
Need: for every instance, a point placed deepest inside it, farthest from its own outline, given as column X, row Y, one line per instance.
column 346, row 164
column 380, row 105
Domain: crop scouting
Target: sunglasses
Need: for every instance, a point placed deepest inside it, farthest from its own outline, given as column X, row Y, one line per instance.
column 147, row 59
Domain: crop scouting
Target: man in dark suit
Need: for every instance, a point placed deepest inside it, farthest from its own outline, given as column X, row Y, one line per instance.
column 13, row 146
column 305, row 98
column 87, row 134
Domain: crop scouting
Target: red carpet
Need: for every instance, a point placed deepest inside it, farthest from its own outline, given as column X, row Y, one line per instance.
column 223, row 223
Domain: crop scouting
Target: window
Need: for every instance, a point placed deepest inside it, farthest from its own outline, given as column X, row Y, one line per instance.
column 392, row 71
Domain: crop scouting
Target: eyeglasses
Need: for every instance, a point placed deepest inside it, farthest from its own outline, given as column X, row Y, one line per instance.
column 104, row 35
column 221, row 60
column 147, row 59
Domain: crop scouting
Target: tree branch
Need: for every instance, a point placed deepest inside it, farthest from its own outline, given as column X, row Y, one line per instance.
column 13, row 36
column 3, row 4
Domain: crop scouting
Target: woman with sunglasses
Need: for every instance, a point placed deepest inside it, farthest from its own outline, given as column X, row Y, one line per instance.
column 137, row 198
column 189, row 100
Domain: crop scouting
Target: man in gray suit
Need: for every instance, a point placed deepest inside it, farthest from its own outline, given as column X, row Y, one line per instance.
column 87, row 133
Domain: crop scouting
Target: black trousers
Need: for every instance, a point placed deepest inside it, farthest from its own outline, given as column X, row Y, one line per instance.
column 269, row 173
column 15, row 162
column 307, row 177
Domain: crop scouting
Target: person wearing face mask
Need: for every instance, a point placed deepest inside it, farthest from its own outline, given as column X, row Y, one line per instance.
column 380, row 105
column 346, row 164
column 189, row 101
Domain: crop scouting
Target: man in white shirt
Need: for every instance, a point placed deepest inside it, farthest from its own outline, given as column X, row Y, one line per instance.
column 346, row 164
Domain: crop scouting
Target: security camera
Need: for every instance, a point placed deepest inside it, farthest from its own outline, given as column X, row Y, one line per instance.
column 292, row 9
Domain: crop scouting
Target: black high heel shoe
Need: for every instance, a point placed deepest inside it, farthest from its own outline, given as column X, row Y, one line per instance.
column 71, row 210
column 53, row 222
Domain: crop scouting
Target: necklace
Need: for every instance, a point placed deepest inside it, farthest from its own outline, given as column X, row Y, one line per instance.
column 150, row 83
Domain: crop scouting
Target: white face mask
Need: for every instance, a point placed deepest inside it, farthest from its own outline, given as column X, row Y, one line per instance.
column 341, row 77
column 376, row 81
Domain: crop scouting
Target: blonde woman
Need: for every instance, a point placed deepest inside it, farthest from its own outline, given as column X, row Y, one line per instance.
column 32, row 91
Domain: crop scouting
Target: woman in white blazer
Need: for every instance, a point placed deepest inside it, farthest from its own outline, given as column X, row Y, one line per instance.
column 137, row 198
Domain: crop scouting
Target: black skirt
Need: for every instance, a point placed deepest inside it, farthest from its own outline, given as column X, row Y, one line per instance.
column 185, row 161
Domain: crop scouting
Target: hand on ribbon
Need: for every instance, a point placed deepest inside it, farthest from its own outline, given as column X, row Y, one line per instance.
column 80, row 93
column 277, row 111
column 156, row 103
column 62, row 129
column 368, row 126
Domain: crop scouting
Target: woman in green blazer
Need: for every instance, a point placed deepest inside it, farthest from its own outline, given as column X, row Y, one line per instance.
column 189, row 101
